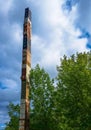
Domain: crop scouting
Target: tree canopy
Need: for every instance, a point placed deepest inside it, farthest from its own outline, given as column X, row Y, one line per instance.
column 74, row 88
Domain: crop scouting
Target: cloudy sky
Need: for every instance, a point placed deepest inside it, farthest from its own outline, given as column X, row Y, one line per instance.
column 58, row 27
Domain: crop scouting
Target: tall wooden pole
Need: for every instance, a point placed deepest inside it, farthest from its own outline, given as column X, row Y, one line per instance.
column 26, row 66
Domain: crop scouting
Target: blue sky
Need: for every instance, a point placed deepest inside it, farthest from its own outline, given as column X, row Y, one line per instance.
column 58, row 27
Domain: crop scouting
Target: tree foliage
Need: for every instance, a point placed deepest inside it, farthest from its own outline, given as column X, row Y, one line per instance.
column 41, row 100
column 66, row 106
column 13, row 112
column 74, row 88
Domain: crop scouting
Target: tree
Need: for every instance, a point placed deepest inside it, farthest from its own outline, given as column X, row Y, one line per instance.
column 42, row 90
column 14, row 117
column 74, row 90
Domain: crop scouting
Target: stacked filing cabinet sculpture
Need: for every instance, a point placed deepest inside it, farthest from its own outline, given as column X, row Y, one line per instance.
column 26, row 66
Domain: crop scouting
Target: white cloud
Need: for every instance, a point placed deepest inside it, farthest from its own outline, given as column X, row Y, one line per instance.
column 38, row 43
column 38, row 46
column 61, row 36
column 16, row 33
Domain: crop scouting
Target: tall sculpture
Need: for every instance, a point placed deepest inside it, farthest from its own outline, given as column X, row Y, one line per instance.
column 26, row 66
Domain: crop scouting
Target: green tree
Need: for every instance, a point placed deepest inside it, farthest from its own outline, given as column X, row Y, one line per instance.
column 74, row 93
column 14, row 117
column 42, row 105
